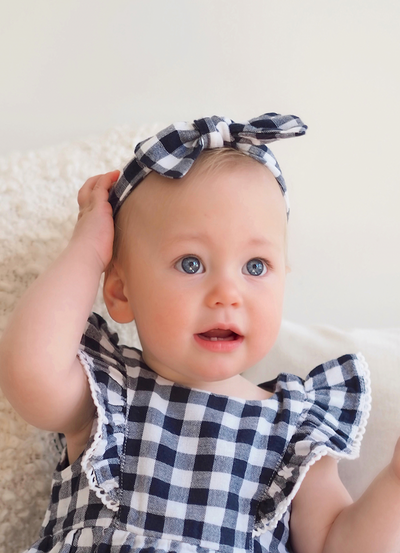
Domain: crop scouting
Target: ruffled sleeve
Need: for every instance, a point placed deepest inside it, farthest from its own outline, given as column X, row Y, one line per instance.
column 337, row 400
column 103, row 361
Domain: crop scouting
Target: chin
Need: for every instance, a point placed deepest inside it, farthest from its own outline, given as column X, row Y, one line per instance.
column 217, row 374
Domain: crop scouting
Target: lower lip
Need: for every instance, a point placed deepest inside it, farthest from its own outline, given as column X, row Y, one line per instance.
column 219, row 346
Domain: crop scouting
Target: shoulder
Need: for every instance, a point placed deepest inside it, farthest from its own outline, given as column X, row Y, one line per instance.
column 332, row 405
column 335, row 395
column 338, row 398
column 102, row 345
column 336, row 401
column 111, row 368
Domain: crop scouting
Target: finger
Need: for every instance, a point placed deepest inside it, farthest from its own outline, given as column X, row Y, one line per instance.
column 107, row 180
column 101, row 181
column 86, row 189
column 90, row 182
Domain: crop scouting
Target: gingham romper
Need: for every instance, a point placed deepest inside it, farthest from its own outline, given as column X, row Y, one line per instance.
column 174, row 469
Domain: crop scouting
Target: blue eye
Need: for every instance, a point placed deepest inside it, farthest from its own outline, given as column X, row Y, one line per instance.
column 190, row 265
column 255, row 267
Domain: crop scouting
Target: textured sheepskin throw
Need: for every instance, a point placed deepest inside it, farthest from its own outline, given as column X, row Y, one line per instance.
column 38, row 210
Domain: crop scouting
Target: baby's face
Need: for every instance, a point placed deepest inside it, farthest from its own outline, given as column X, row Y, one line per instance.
column 204, row 270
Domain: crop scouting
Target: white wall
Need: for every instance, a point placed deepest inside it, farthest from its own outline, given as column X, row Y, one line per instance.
column 73, row 68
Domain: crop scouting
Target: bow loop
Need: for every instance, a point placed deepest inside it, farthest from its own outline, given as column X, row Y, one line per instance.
column 268, row 128
column 170, row 152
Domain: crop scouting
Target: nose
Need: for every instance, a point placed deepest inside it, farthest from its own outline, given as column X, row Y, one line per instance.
column 224, row 292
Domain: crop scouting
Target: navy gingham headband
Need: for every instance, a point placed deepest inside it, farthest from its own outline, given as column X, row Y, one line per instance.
column 172, row 151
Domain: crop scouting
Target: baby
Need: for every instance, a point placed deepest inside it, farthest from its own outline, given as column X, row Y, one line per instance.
column 171, row 449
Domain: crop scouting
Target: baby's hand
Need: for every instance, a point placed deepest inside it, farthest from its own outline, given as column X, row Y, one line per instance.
column 95, row 225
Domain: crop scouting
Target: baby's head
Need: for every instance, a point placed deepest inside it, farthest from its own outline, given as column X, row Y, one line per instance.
column 200, row 264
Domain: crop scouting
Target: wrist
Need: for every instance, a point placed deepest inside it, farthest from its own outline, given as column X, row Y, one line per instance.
column 83, row 253
column 94, row 241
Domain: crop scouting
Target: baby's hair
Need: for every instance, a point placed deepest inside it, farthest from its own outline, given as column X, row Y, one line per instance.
column 120, row 223
column 211, row 160
column 208, row 161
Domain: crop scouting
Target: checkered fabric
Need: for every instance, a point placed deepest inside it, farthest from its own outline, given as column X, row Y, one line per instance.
column 173, row 469
column 172, row 151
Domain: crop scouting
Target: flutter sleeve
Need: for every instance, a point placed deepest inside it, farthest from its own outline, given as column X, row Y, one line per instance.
column 337, row 401
column 104, row 363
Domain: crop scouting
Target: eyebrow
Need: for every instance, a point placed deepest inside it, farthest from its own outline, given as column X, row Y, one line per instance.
column 204, row 237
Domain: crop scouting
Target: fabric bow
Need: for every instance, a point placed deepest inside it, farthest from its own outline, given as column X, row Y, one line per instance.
column 172, row 151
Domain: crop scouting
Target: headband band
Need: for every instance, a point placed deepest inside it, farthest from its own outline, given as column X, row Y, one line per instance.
column 172, row 151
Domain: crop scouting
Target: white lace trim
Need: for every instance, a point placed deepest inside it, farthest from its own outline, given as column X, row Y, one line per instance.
column 366, row 400
column 323, row 450
column 100, row 492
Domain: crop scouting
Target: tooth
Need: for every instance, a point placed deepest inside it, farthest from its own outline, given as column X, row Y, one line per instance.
column 213, row 338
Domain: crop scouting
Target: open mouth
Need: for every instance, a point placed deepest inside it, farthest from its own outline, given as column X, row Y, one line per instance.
column 219, row 335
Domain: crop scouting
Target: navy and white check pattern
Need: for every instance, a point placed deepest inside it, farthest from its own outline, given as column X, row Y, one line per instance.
column 172, row 151
column 177, row 469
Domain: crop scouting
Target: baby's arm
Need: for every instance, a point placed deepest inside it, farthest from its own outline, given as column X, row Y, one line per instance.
column 39, row 371
column 325, row 520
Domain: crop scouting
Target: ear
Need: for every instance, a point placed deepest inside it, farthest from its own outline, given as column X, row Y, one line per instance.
column 114, row 296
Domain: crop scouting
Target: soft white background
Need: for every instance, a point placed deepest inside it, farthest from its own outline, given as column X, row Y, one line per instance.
column 74, row 68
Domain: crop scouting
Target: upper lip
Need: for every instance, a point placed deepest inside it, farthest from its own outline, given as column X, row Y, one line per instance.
column 222, row 326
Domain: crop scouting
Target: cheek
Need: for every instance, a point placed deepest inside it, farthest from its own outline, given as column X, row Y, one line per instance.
column 266, row 318
column 162, row 313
